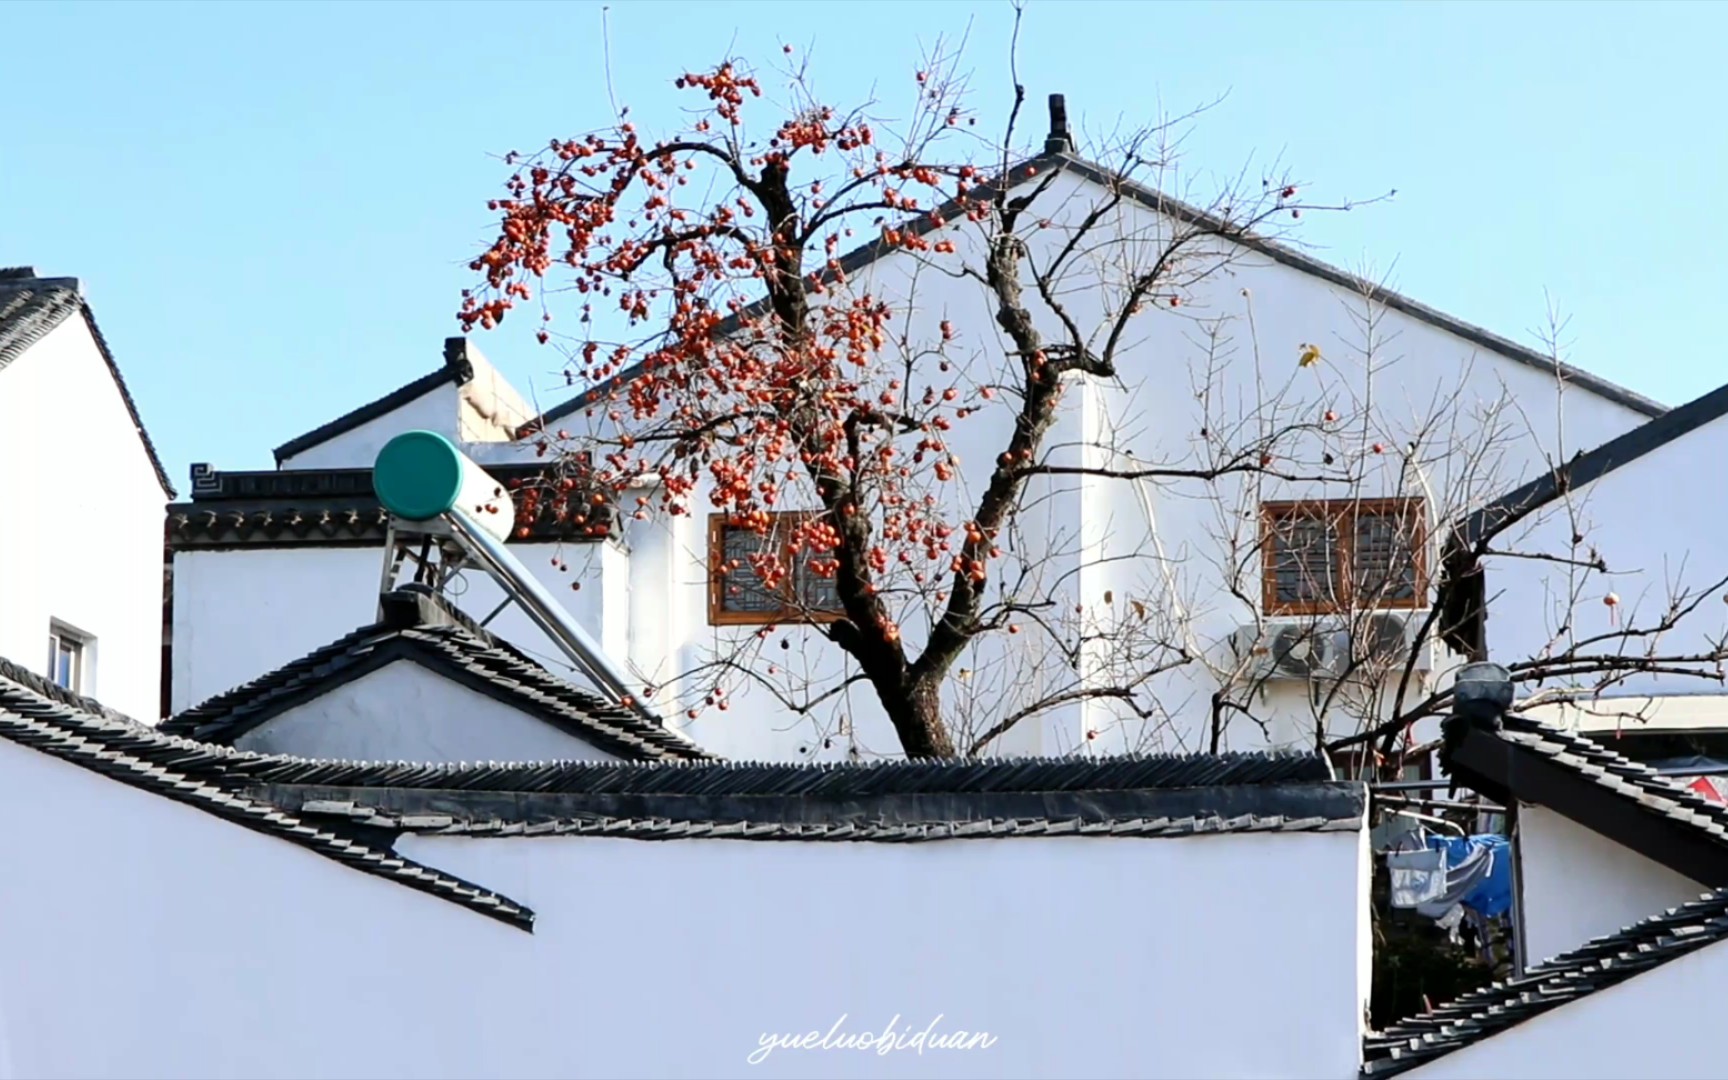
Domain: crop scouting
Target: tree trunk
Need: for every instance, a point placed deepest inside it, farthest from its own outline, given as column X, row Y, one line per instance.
column 915, row 707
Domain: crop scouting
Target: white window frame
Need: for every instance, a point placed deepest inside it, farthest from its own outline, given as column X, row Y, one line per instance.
column 82, row 650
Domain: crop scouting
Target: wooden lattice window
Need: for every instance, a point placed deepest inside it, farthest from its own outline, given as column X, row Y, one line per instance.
column 737, row 595
column 1330, row 556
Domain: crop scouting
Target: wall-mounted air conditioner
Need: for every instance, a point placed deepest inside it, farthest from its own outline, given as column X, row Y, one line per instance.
column 1386, row 638
column 1295, row 649
column 1328, row 647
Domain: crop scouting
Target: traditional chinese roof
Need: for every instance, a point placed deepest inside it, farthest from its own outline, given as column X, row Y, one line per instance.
column 30, row 307
column 1059, row 156
column 35, row 714
column 338, row 507
column 351, row 811
column 421, row 629
column 885, row 802
column 457, row 369
column 1524, row 761
column 1586, row 468
column 1607, row 961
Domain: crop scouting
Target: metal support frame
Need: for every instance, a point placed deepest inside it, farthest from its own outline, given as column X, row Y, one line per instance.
column 462, row 544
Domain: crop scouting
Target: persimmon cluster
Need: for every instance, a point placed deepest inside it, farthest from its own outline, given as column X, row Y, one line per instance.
column 768, row 383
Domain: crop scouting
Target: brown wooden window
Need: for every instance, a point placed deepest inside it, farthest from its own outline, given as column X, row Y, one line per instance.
column 1324, row 557
column 737, row 595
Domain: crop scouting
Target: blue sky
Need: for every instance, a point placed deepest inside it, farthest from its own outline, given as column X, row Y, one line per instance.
column 272, row 205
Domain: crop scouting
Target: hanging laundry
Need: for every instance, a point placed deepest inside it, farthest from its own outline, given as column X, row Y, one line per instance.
column 1418, row 877
column 1478, row 875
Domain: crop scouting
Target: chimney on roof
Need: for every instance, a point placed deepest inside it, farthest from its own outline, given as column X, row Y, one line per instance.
column 1060, row 140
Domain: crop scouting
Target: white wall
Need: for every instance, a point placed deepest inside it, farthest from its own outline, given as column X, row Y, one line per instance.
column 1664, row 1022
column 1106, row 549
column 436, row 410
column 241, row 613
column 1579, row 885
column 1659, row 532
column 405, row 712
column 1103, row 546
column 1202, row 981
column 81, row 527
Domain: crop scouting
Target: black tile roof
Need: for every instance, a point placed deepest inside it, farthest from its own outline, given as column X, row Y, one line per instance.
column 1078, row 776
column 31, row 306
column 32, row 715
column 1651, row 805
column 351, row 811
column 884, row 802
column 1585, row 468
column 1604, row 962
column 334, row 507
column 659, row 828
column 1524, row 760
column 458, row 368
column 1057, row 158
column 421, row 629
column 1618, row 775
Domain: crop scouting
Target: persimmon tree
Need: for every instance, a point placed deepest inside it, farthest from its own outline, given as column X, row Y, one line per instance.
column 753, row 375
column 720, row 291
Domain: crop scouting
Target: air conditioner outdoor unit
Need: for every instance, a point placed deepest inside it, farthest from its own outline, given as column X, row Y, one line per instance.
column 1289, row 650
column 1388, row 638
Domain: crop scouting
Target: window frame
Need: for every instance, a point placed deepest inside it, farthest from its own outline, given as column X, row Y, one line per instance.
column 80, row 650
column 790, row 613
column 1341, row 510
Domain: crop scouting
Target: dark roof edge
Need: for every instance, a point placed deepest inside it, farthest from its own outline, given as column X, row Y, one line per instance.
column 1318, row 805
column 126, row 396
column 862, row 256
column 458, row 369
column 1308, row 264
column 24, row 277
column 439, row 632
column 121, row 749
column 852, row 261
column 43, row 687
column 1587, row 468
column 827, row 780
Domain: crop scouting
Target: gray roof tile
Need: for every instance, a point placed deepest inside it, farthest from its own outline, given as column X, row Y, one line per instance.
column 30, row 307
column 422, row 629
column 1601, row 963
column 1604, row 962
column 140, row 757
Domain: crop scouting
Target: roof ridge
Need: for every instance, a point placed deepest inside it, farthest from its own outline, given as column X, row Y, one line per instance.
column 42, row 686
column 1634, row 772
column 920, row 223
column 67, row 732
column 1588, row 466
column 417, row 621
column 1073, row 773
column 31, row 308
column 1597, row 964
column 456, row 368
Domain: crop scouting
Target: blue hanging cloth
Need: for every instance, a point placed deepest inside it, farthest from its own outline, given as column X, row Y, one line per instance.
column 1478, row 875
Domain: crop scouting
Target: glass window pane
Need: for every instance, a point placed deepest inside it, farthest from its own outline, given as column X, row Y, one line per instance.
column 1305, row 559
column 817, row 591
column 1385, row 557
column 65, row 663
column 741, row 588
